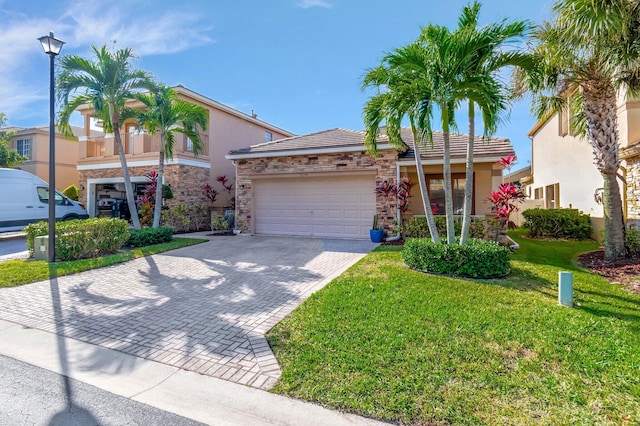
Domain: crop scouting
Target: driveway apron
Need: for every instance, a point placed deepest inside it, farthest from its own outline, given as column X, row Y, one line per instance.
column 203, row 308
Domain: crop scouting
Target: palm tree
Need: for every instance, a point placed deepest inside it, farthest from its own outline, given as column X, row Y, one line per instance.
column 105, row 83
column 584, row 55
column 401, row 94
column 490, row 57
column 450, row 59
column 165, row 114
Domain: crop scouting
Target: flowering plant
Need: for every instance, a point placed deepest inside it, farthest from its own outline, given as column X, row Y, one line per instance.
column 505, row 198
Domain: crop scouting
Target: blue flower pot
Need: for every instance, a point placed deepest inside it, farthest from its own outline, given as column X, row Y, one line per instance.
column 377, row 235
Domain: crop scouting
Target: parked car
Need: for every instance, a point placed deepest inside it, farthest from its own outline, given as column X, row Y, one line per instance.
column 24, row 199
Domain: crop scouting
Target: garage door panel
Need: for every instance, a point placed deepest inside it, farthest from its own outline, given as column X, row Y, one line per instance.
column 341, row 207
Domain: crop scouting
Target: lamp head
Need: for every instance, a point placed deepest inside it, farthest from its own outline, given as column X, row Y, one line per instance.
column 50, row 44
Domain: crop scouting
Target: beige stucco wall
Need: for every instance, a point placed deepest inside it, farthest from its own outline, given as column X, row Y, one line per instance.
column 228, row 132
column 66, row 157
column 568, row 161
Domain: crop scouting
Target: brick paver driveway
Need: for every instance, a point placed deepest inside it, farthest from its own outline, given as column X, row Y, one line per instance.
column 203, row 308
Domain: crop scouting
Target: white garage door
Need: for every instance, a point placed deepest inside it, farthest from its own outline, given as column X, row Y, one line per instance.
column 338, row 207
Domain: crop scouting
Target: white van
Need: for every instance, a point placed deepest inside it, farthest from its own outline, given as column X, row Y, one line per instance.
column 24, row 199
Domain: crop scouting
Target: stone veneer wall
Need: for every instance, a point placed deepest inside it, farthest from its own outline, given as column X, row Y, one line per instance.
column 633, row 192
column 186, row 181
column 384, row 167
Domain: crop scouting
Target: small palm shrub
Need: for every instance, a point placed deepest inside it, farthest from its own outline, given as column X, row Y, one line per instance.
column 557, row 223
column 219, row 223
column 476, row 259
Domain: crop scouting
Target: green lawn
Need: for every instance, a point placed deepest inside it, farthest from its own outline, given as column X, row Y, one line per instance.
column 17, row 272
column 394, row 344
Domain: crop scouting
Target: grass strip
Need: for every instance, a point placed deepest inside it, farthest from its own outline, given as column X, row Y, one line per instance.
column 20, row 271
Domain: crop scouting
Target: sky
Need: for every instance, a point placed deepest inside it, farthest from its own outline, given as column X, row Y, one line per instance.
column 298, row 64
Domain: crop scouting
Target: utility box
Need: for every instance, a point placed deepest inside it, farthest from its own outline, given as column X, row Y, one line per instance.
column 41, row 248
column 565, row 289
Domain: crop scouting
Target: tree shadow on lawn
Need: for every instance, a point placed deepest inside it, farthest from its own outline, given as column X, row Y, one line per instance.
column 614, row 304
column 217, row 314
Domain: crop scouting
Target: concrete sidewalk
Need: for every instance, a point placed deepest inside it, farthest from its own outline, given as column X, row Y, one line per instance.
column 192, row 395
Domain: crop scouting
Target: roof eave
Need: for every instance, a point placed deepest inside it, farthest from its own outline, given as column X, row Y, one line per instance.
column 296, row 152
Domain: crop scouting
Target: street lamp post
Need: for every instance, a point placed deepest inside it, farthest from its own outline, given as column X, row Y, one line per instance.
column 52, row 47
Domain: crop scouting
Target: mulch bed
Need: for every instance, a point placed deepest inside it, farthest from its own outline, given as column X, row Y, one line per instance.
column 221, row 234
column 625, row 271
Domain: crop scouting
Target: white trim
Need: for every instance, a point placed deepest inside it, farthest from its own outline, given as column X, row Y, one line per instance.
column 145, row 163
column 453, row 161
column 295, row 152
column 83, row 138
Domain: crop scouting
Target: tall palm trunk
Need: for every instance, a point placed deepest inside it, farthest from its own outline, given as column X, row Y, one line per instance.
column 446, row 174
column 131, row 202
column 431, row 223
column 599, row 104
column 468, row 181
column 158, row 206
column 614, row 237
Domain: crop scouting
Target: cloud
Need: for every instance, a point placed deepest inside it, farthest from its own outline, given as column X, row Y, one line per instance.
column 23, row 81
column 101, row 22
column 140, row 26
column 305, row 4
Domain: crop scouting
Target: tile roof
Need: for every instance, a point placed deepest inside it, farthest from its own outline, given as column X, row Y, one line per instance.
column 493, row 147
column 77, row 131
column 332, row 138
column 339, row 138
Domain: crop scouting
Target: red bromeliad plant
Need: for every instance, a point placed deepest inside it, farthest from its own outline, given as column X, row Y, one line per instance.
column 401, row 192
column 229, row 188
column 210, row 193
column 505, row 198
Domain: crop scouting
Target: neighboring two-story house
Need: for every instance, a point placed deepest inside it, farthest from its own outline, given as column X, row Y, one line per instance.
column 33, row 143
column 100, row 172
column 562, row 171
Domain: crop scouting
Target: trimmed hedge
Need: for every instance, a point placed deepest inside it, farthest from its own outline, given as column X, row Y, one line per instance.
column 82, row 239
column 149, row 236
column 557, row 223
column 416, row 227
column 477, row 259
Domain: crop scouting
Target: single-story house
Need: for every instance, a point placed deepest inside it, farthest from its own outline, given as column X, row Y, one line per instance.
column 323, row 184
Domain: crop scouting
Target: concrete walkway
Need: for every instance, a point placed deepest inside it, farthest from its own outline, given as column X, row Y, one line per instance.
column 203, row 308
column 202, row 398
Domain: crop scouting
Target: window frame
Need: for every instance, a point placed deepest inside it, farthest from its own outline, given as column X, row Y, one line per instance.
column 20, row 150
column 454, row 177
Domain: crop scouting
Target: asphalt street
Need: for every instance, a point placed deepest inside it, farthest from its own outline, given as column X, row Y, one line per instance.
column 12, row 246
column 31, row 395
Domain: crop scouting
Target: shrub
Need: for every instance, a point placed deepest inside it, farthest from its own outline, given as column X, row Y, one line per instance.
column 177, row 217
column 71, row 192
column 417, row 227
column 149, row 236
column 219, row 223
column 557, row 223
column 476, row 259
column 82, row 239
column 633, row 242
